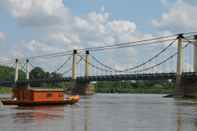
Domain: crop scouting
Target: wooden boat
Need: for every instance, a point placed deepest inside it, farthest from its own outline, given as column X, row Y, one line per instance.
column 40, row 103
column 39, row 97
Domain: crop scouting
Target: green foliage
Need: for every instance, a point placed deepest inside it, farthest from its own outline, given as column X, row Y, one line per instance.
column 38, row 73
column 4, row 90
column 7, row 73
column 135, row 87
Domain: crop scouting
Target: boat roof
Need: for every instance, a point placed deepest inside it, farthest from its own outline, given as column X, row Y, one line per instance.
column 46, row 89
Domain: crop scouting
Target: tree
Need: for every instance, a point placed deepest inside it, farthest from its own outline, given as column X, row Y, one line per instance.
column 37, row 73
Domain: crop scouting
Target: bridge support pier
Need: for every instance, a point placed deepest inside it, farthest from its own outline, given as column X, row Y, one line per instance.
column 189, row 87
column 83, row 88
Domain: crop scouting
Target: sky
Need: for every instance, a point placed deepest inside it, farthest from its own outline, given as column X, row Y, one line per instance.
column 33, row 27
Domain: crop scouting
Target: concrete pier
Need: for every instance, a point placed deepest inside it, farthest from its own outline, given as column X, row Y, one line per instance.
column 83, row 88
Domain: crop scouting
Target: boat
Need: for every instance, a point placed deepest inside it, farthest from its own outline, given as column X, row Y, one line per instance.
column 39, row 97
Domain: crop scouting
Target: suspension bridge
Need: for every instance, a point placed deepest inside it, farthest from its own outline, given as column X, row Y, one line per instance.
column 172, row 57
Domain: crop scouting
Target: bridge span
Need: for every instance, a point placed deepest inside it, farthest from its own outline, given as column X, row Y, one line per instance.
column 171, row 52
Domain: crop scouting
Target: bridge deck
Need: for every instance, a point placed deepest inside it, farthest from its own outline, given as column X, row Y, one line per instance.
column 148, row 76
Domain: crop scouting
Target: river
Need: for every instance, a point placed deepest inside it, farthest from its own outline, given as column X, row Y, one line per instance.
column 105, row 112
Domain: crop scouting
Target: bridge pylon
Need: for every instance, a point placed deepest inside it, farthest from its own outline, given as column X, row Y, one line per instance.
column 87, row 64
column 27, row 69
column 179, row 90
column 27, row 72
column 185, row 87
column 190, row 85
column 16, row 70
column 195, row 53
column 74, row 65
column 83, row 87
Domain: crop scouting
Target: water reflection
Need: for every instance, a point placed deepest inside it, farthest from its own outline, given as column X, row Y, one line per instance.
column 82, row 115
column 186, row 115
column 179, row 120
column 72, row 118
column 87, row 114
column 37, row 114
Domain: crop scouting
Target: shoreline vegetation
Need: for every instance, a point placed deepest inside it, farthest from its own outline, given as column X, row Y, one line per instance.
column 132, row 87
column 151, row 87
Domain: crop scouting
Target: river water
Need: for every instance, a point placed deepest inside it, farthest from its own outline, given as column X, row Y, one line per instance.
column 105, row 112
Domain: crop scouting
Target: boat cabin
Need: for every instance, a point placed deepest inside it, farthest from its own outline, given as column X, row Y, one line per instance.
column 38, row 95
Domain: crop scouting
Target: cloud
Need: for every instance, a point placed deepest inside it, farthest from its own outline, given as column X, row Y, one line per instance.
column 2, row 36
column 64, row 31
column 180, row 17
column 122, row 26
column 37, row 12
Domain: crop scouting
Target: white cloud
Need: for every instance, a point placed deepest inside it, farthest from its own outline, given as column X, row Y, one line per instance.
column 181, row 17
column 122, row 26
column 66, row 31
column 2, row 36
column 37, row 12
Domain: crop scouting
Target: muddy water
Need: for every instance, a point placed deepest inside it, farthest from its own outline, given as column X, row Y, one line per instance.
column 105, row 112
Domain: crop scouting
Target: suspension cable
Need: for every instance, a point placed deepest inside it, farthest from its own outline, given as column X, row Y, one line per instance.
column 70, row 69
column 94, row 66
column 162, row 62
column 109, row 46
column 137, row 66
column 127, row 45
column 65, row 62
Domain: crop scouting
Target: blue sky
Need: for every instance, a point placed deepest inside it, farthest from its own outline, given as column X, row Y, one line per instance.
column 32, row 27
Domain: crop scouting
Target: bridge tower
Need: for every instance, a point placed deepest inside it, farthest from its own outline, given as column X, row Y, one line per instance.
column 185, row 87
column 179, row 90
column 87, row 87
column 16, row 70
column 74, row 70
column 27, row 72
column 82, row 87
column 74, row 65
column 87, row 64
column 195, row 53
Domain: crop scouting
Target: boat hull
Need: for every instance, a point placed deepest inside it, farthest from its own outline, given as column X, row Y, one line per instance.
column 31, row 103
